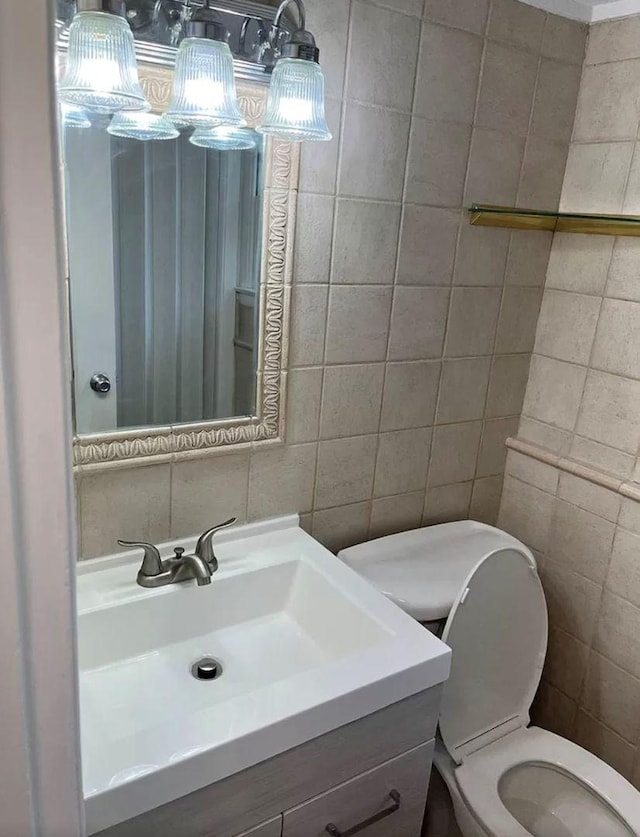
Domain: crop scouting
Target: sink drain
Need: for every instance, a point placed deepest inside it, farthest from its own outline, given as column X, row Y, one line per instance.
column 206, row 668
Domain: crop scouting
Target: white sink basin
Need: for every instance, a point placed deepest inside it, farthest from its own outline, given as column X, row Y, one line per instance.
column 305, row 645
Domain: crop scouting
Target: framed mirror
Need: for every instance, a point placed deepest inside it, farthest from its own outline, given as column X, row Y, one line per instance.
column 179, row 271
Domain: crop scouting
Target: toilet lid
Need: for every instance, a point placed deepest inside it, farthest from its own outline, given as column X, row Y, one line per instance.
column 423, row 570
column 497, row 631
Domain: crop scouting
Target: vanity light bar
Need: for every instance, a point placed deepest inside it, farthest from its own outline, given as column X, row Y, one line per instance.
column 101, row 73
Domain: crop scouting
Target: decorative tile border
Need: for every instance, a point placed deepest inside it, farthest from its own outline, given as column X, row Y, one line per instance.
column 144, row 446
column 570, row 466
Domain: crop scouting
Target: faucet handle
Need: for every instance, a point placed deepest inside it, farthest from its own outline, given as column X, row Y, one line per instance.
column 151, row 563
column 204, row 547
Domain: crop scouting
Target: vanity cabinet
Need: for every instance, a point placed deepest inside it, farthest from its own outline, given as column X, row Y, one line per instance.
column 273, row 828
column 387, row 800
column 345, row 778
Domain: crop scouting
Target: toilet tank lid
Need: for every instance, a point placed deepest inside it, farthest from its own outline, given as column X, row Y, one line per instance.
column 423, row 570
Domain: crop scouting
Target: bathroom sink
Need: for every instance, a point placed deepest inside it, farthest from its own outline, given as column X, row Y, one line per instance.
column 303, row 645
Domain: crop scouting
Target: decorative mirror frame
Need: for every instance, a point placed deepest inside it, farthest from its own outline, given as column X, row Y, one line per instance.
column 146, row 445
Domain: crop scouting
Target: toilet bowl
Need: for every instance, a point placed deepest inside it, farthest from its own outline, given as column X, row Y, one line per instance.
column 505, row 779
column 535, row 782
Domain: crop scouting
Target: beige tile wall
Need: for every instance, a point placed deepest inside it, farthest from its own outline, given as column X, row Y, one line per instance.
column 587, row 543
column 583, row 396
column 411, row 331
column 583, row 402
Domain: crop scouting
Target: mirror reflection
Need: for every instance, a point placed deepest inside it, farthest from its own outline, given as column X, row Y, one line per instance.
column 163, row 244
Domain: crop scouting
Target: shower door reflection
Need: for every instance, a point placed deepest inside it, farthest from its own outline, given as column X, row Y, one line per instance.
column 164, row 249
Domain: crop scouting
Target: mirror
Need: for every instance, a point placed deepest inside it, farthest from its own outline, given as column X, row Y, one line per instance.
column 177, row 270
column 164, row 270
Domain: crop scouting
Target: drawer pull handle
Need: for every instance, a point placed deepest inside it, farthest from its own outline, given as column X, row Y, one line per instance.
column 334, row 831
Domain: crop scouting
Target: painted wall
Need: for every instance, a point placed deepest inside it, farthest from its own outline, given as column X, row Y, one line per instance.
column 411, row 331
column 40, row 777
column 582, row 406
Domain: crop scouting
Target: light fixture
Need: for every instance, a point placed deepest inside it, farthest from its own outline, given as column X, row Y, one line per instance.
column 204, row 89
column 101, row 72
column 72, row 116
column 295, row 105
column 224, row 138
column 142, row 125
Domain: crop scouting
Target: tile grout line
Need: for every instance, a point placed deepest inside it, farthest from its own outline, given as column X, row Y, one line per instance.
column 463, row 218
column 343, row 112
column 394, row 285
column 511, row 237
column 572, row 141
column 531, row 114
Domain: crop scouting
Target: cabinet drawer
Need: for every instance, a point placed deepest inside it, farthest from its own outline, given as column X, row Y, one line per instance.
column 273, row 828
column 360, row 800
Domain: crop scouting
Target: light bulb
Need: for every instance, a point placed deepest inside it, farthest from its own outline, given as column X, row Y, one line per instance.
column 292, row 109
column 206, row 90
column 99, row 73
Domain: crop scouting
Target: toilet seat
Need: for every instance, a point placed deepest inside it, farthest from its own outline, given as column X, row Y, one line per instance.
column 479, row 776
column 497, row 630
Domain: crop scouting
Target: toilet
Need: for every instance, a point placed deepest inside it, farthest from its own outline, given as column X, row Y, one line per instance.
column 479, row 589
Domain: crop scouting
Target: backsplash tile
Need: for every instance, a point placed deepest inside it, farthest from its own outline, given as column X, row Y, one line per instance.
column 375, row 227
column 554, row 391
column 455, row 453
column 281, row 480
column 463, row 391
column 473, row 317
column 351, row 400
column 418, row 323
column 114, row 505
column 401, row 463
column 346, row 468
column 438, row 153
column 194, row 494
column 418, row 265
column 495, row 163
column 373, row 151
column 357, row 326
column 410, row 392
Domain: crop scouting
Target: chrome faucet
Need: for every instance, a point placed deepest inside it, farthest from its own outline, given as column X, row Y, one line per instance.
column 154, row 572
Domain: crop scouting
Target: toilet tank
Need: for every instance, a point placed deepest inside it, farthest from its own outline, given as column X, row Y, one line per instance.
column 423, row 570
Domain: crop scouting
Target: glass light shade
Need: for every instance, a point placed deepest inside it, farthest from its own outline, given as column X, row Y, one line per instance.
column 72, row 116
column 101, row 73
column 295, row 106
column 224, row 138
column 204, row 90
column 142, row 125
